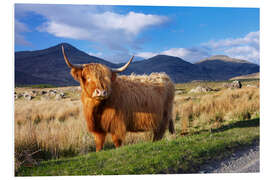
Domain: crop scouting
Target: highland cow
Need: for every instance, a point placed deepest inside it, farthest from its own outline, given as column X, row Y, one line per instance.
column 120, row 104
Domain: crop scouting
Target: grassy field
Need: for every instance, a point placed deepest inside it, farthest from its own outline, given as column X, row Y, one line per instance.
column 51, row 136
column 180, row 155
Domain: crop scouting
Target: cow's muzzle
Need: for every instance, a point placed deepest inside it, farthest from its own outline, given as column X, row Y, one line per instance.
column 99, row 94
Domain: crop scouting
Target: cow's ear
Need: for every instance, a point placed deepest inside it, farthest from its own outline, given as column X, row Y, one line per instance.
column 76, row 74
column 114, row 75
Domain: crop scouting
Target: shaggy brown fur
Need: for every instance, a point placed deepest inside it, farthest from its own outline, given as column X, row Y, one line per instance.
column 132, row 104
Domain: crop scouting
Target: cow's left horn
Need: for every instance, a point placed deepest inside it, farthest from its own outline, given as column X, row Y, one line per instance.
column 77, row 66
column 121, row 69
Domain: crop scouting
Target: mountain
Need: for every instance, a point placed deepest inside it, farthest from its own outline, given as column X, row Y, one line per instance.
column 178, row 69
column 223, row 67
column 47, row 66
column 248, row 76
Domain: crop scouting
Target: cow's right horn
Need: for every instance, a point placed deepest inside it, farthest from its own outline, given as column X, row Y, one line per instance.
column 77, row 66
column 121, row 69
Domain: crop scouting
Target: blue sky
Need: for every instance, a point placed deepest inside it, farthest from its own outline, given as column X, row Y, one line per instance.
column 117, row 32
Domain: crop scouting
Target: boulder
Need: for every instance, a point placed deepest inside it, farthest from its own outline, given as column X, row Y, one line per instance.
column 28, row 97
column 60, row 95
column 42, row 92
column 251, row 86
column 52, row 92
column 17, row 95
column 236, row 84
column 200, row 89
column 179, row 92
column 187, row 98
column 233, row 85
column 33, row 93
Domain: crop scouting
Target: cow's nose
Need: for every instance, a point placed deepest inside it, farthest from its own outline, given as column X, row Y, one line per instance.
column 99, row 93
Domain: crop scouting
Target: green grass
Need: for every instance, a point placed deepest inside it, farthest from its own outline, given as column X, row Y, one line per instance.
column 184, row 154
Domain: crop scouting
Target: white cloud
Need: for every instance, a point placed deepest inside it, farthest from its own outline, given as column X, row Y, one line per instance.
column 244, row 52
column 98, row 54
column 146, row 55
column 247, row 47
column 188, row 54
column 99, row 24
column 20, row 28
column 131, row 23
column 64, row 30
column 251, row 38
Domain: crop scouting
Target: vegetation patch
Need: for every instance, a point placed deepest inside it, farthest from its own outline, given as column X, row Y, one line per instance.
column 47, row 129
column 181, row 155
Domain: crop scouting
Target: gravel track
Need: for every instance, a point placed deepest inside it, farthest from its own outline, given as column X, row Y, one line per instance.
column 243, row 161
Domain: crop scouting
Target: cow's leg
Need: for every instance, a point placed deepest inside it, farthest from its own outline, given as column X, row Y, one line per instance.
column 167, row 120
column 116, row 140
column 168, row 114
column 161, row 127
column 159, row 133
column 99, row 139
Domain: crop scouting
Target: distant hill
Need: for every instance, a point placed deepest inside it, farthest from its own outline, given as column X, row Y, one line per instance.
column 178, row 69
column 47, row 66
column 224, row 67
column 248, row 76
column 223, row 58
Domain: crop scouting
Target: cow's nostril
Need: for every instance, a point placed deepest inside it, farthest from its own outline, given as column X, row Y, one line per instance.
column 98, row 92
column 104, row 93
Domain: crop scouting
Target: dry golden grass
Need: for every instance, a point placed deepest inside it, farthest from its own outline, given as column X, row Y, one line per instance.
column 50, row 128
column 49, row 125
column 54, row 129
column 216, row 109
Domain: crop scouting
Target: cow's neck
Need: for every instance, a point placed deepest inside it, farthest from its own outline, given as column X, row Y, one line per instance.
column 92, row 111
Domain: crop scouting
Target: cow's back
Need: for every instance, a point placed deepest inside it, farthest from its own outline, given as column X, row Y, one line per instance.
column 137, row 102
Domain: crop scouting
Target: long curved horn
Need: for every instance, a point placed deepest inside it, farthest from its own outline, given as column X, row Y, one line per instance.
column 121, row 69
column 67, row 61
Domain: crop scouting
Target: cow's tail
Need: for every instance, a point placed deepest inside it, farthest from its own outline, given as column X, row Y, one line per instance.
column 171, row 126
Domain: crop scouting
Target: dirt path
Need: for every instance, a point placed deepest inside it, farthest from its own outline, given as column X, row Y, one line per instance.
column 244, row 161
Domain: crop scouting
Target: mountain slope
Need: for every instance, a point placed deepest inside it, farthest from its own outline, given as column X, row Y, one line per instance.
column 224, row 58
column 224, row 67
column 248, row 76
column 178, row 69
